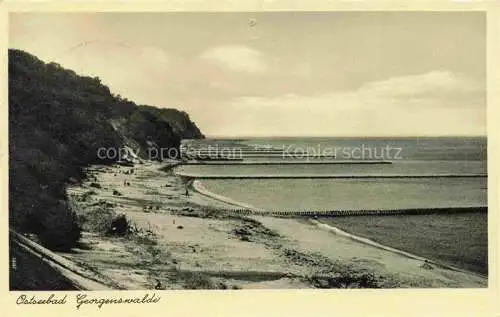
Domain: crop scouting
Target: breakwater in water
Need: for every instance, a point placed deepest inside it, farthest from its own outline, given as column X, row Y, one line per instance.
column 243, row 163
column 245, row 209
column 349, row 213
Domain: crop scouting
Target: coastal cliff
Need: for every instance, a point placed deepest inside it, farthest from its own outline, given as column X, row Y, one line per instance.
column 58, row 121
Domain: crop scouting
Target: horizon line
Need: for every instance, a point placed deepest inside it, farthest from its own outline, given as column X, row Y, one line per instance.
column 218, row 136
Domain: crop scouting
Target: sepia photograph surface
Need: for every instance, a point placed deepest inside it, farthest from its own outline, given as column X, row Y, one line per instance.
column 247, row 150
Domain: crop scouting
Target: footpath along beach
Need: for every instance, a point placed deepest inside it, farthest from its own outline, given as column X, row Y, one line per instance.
column 179, row 241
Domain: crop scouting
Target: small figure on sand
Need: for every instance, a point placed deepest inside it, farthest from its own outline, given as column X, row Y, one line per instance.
column 187, row 192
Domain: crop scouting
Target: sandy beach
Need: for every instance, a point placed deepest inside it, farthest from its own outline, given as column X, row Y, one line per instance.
column 184, row 242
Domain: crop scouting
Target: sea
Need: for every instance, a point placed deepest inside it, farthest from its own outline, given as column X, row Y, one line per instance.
column 362, row 174
column 365, row 173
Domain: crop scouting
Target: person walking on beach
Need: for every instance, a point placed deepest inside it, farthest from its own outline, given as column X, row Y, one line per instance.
column 187, row 188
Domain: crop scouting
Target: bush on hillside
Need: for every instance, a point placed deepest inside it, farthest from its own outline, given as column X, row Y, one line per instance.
column 57, row 122
column 119, row 226
column 59, row 229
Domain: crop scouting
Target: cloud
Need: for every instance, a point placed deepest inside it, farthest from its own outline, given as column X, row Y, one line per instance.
column 237, row 58
column 434, row 103
column 435, row 83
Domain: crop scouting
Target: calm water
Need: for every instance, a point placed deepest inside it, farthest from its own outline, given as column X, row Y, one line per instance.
column 353, row 194
column 455, row 239
column 397, row 168
column 415, row 156
column 416, row 149
column 460, row 240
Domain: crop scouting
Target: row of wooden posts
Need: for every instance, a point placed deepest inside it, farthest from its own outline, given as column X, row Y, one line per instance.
column 327, row 213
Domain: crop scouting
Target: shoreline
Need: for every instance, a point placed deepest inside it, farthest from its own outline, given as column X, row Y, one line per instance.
column 370, row 242
column 199, row 188
column 195, row 244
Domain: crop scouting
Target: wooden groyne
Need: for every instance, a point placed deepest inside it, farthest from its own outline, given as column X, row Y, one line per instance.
column 349, row 213
column 243, row 209
column 296, row 162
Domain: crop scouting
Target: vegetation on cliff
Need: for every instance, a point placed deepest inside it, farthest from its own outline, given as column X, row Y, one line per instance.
column 57, row 122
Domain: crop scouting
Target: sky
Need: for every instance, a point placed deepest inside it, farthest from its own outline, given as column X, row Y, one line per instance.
column 281, row 73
